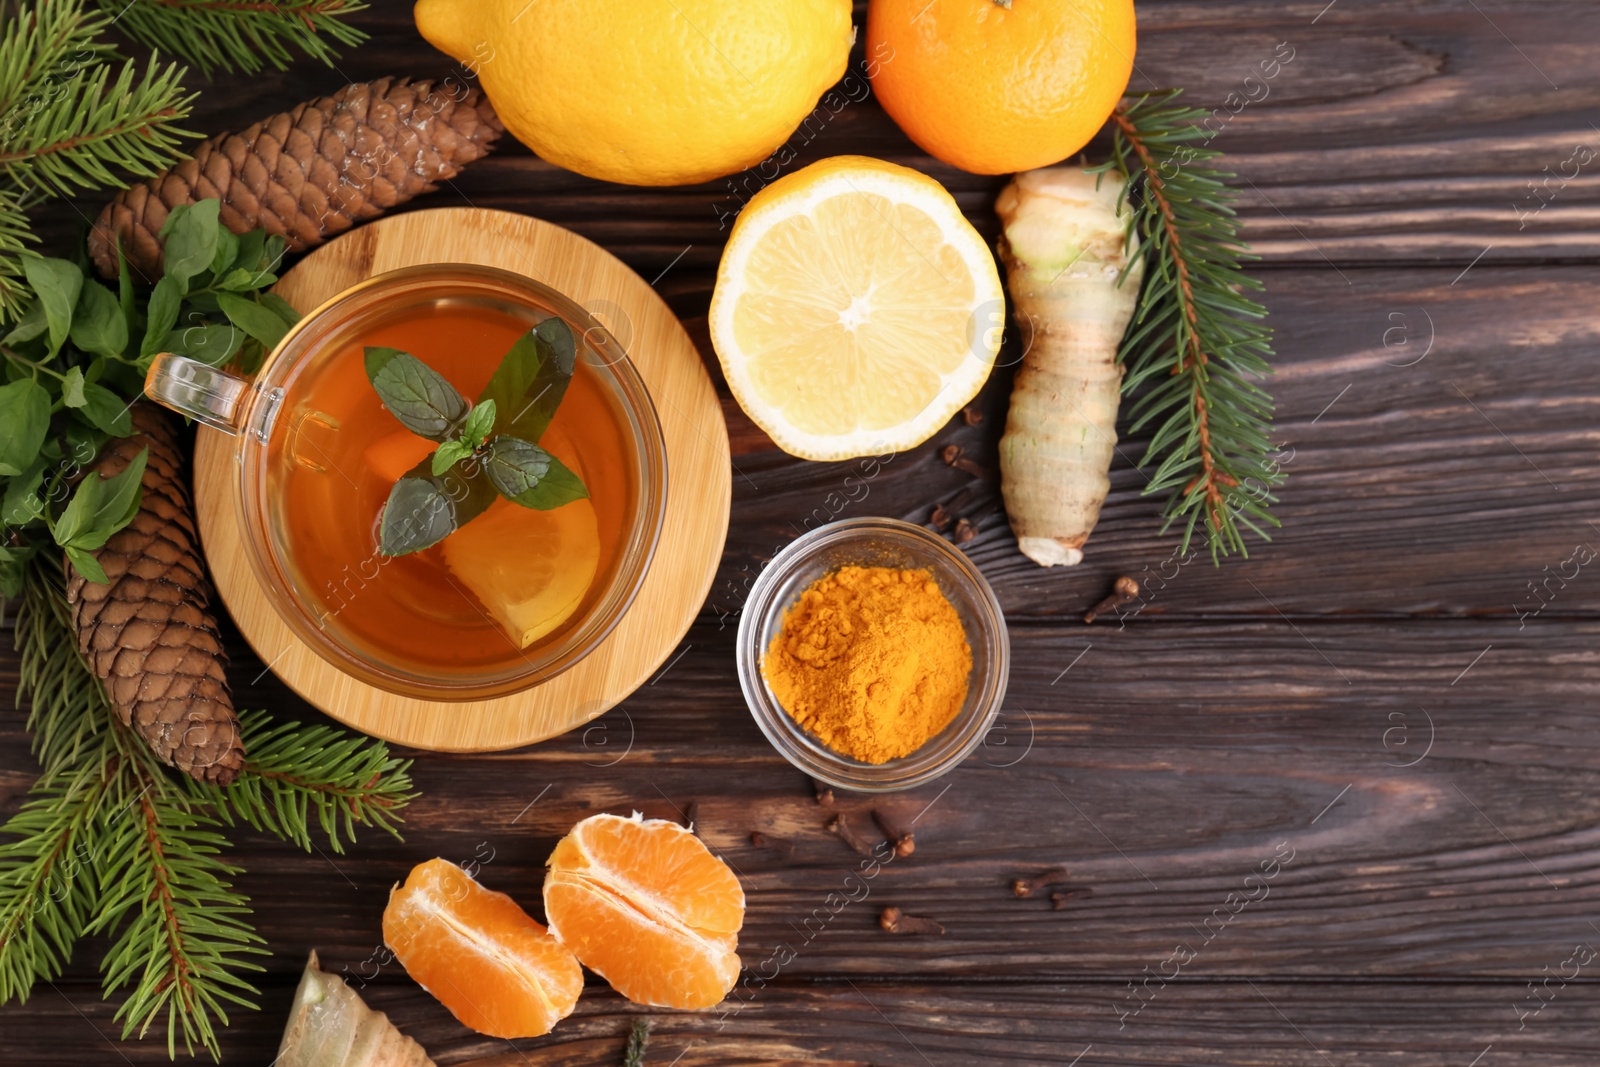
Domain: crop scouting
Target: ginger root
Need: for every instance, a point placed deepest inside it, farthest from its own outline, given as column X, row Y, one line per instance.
column 1065, row 247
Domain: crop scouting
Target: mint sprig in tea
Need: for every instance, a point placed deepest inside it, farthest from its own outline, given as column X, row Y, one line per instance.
column 438, row 532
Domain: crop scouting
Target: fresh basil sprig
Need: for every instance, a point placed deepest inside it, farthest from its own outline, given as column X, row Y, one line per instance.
column 73, row 362
column 487, row 449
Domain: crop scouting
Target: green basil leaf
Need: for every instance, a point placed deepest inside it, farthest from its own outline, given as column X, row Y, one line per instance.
column 531, row 380
column 272, row 253
column 72, row 388
column 447, row 454
column 162, row 314
column 558, row 486
column 21, row 504
column 100, row 507
column 515, row 466
column 31, row 325
column 12, row 579
column 97, row 324
column 415, row 393
column 248, row 255
column 479, row 422
column 107, row 411
column 275, row 303
column 57, row 283
column 130, row 308
column 417, row 515
column 86, row 565
column 24, row 421
column 210, row 342
column 265, row 326
column 227, row 250
column 190, row 241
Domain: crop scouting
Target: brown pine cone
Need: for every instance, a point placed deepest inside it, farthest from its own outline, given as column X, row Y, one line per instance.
column 147, row 633
column 310, row 173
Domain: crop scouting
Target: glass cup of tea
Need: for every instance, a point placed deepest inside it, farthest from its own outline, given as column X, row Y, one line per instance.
column 513, row 596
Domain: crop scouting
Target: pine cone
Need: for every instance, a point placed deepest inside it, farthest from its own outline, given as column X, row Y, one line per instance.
column 310, row 173
column 148, row 634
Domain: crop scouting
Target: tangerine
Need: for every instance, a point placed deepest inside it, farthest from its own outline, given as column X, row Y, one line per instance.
column 479, row 954
column 645, row 905
column 995, row 86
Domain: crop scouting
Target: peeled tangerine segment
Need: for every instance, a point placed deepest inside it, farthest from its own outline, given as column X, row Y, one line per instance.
column 645, row 905
column 496, row 969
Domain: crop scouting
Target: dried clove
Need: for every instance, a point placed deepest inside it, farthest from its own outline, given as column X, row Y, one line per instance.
column 971, row 415
column 824, row 793
column 965, row 531
column 952, row 456
column 904, row 843
column 1125, row 591
column 896, row 921
column 1061, row 897
column 1027, row 887
column 941, row 518
column 839, row 825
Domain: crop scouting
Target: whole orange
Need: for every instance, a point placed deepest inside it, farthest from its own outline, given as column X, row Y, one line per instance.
column 995, row 86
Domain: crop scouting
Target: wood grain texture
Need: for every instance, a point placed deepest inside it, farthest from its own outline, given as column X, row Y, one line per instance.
column 1387, row 173
column 692, row 531
column 1016, row 1024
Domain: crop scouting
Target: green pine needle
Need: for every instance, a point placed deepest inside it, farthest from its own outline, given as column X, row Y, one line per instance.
column 1197, row 344
column 79, row 131
column 231, row 36
column 111, row 842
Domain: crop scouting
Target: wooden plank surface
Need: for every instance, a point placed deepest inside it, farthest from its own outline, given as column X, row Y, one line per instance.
column 1400, row 692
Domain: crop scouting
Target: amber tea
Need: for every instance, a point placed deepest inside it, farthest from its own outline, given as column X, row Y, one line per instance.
column 507, row 583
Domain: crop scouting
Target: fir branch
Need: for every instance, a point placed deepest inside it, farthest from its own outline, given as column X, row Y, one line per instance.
column 240, row 35
column 638, row 1041
column 47, row 883
column 1197, row 342
column 295, row 771
column 185, row 931
column 40, row 43
column 69, row 713
column 89, row 126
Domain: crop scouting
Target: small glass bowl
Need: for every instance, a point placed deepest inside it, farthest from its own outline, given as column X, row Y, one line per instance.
column 874, row 542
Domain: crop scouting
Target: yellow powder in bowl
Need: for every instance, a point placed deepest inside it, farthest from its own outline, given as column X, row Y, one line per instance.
column 873, row 661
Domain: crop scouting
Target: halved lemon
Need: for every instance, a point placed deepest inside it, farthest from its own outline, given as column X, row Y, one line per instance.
column 855, row 310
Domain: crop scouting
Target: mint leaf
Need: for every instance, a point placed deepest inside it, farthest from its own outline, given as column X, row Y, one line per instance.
column 479, row 422
column 86, row 565
column 190, row 241
column 57, row 284
column 264, row 325
column 24, row 421
column 279, row 306
column 417, row 515
column 515, row 466
column 558, row 486
column 531, row 380
column 211, row 342
column 447, row 454
column 106, row 411
column 161, row 315
column 227, row 250
column 72, row 388
column 31, row 325
column 97, row 324
column 100, row 507
column 415, row 393
column 21, row 503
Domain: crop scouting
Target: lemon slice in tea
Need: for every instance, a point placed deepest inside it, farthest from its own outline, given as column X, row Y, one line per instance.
column 530, row 569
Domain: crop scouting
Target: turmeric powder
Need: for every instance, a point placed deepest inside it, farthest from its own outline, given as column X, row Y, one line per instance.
column 872, row 661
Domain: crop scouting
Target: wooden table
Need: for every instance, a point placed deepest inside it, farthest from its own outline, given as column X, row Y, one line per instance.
column 1377, row 699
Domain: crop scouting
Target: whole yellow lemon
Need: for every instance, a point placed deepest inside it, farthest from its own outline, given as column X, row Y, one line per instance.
column 645, row 92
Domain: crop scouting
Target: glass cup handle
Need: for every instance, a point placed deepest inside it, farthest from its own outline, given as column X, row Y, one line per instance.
column 199, row 391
